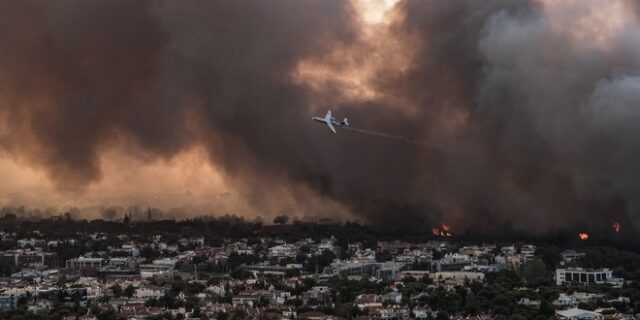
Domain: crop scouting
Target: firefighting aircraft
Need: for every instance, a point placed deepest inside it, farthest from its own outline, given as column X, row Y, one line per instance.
column 331, row 121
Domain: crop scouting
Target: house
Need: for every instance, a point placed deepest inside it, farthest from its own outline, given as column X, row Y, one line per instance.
column 40, row 306
column 393, row 297
column 283, row 251
column 29, row 242
column 371, row 306
column 565, row 301
column 457, row 277
column 219, row 290
column 75, row 297
column 248, row 298
column 132, row 311
column 421, row 312
column 368, row 302
column 569, row 255
column 289, row 313
column 317, row 294
column 529, row 303
column 8, row 301
column 394, row 312
column 452, row 262
column 508, row 250
column 279, row 297
column 149, row 292
column 317, row 315
column 415, row 274
column 367, row 298
column 584, row 297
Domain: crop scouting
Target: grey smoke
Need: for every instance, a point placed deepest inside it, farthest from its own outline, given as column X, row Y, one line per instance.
column 545, row 134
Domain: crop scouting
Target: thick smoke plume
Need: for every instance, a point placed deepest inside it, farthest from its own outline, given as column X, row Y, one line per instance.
column 534, row 104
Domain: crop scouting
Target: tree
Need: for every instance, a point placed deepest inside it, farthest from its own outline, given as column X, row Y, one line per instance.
column 550, row 255
column 151, row 302
column 283, row 219
column 383, row 256
column 9, row 217
column 149, row 253
column 546, row 308
column 109, row 214
column 240, row 273
column 117, row 290
column 128, row 291
column 535, row 273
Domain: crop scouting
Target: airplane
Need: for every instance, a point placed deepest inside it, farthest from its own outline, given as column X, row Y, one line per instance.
column 331, row 121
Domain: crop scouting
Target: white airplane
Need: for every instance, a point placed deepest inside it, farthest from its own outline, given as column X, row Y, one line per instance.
column 331, row 121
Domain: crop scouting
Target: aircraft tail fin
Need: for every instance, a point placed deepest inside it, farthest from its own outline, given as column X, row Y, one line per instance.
column 345, row 122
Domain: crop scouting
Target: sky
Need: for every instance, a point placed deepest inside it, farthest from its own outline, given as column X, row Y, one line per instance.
column 476, row 114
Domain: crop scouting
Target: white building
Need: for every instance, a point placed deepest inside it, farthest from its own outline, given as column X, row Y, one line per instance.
column 219, row 290
column 457, row 277
column 476, row 251
column 508, row 250
column 527, row 253
column 529, row 303
column 155, row 270
column 29, row 242
column 416, row 274
column 565, row 301
column 453, row 262
column 421, row 313
column 569, row 255
column 585, row 276
column 121, row 263
column 148, row 292
column 166, row 262
column 585, row 297
column 578, row 314
column 283, row 251
column 83, row 262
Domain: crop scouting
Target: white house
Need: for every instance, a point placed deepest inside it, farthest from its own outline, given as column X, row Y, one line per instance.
column 148, row 292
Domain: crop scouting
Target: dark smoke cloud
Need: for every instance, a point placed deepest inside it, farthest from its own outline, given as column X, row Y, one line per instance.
column 537, row 120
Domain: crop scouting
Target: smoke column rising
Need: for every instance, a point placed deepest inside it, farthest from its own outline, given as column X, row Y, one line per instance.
column 536, row 101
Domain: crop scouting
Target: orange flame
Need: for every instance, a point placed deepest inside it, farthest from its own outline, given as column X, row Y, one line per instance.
column 616, row 226
column 583, row 236
column 443, row 231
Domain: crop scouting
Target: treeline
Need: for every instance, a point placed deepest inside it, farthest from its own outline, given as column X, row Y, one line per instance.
column 214, row 229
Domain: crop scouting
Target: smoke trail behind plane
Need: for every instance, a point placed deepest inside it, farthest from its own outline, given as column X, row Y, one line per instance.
column 394, row 137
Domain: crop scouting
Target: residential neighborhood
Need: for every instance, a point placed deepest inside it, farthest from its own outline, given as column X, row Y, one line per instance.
column 186, row 270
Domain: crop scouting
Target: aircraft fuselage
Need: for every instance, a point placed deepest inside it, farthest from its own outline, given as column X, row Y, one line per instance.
column 331, row 122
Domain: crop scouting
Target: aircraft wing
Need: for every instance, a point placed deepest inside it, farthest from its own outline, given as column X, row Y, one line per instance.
column 331, row 127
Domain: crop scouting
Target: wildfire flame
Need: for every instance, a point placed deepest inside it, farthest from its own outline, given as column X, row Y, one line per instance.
column 443, row 231
column 616, row 226
column 583, row 236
